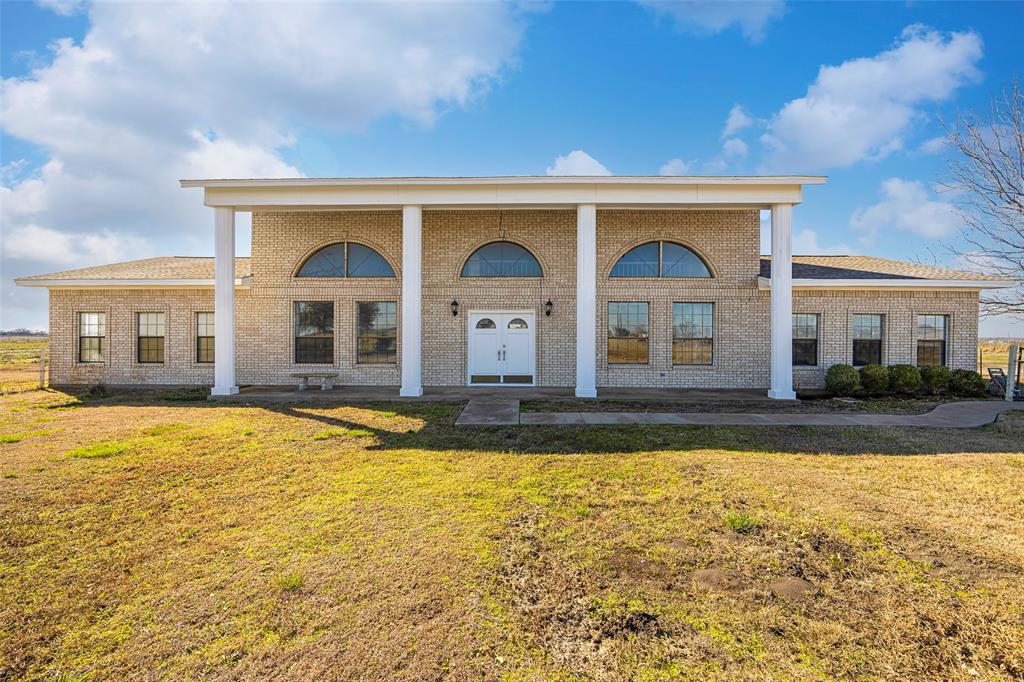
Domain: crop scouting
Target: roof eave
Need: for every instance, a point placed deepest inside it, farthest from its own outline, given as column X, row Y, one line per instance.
column 242, row 283
column 893, row 283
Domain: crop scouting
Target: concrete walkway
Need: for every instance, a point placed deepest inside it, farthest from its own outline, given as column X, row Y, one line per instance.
column 961, row 415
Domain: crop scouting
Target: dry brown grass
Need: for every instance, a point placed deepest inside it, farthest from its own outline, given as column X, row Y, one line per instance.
column 148, row 539
column 994, row 353
column 19, row 363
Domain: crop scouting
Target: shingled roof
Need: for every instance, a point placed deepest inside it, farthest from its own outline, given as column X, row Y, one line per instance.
column 156, row 269
column 869, row 268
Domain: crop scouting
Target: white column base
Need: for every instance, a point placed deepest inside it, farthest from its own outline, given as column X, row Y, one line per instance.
column 410, row 391
column 782, row 395
column 586, row 392
column 224, row 390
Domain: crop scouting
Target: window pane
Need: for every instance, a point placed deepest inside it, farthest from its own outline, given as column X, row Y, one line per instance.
column 867, row 326
column 518, row 323
column 931, row 327
column 805, row 352
column 92, row 324
column 90, row 349
column 377, row 332
column 204, row 349
column 314, row 349
column 641, row 261
column 151, row 349
column 867, row 352
column 314, row 318
column 486, row 323
column 151, row 324
column 805, row 326
column 501, row 259
column 679, row 261
column 365, row 262
column 327, row 262
column 204, row 324
column 627, row 333
column 931, row 352
column 692, row 333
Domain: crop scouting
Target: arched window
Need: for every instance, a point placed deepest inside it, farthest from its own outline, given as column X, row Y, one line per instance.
column 501, row 259
column 660, row 259
column 486, row 323
column 346, row 259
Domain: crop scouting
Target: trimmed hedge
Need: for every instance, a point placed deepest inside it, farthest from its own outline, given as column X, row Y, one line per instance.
column 904, row 378
column 874, row 379
column 967, row 382
column 935, row 378
column 842, row 380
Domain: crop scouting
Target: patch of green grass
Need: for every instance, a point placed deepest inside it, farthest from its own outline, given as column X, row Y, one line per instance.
column 742, row 522
column 99, row 450
column 289, row 582
column 342, row 432
column 10, row 474
column 18, row 437
column 164, row 429
column 184, row 395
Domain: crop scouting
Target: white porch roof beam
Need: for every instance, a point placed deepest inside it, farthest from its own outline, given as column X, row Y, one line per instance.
column 562, row 192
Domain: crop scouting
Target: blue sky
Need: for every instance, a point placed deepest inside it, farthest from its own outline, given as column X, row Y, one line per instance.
column 105, row 106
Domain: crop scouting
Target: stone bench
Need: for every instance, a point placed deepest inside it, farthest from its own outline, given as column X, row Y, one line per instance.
column 326, row 379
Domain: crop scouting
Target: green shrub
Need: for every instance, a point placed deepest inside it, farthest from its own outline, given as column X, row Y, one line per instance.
column 842, row 380
column 967, row 382
column 904, row 378
column 935, row 378
column 874, row 379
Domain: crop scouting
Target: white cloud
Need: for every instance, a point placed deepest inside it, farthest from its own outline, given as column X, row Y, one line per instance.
column 734, row 147
column 863, row 108
column 63, row 7
column 805, row 241
column 52, row 247
column 577, row 162
column 122, row 116
column 738, row 120
column 675, row 167
column 933, row 145
column 906, row 205
column 715, row 16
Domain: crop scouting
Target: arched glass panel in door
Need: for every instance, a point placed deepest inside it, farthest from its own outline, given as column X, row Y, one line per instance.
column 501, row 259
column 486, row 323
column 518, row 323
column 660, row 259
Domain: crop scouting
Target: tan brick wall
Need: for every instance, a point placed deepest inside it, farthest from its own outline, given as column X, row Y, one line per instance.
column 120, row 365
column 728, row 240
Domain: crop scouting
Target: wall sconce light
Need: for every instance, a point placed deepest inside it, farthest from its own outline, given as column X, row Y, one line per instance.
column 548, row 307
column 455, row 307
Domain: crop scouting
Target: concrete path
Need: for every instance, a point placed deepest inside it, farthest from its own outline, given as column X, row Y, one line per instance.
column 966, row 414
column 486, row 412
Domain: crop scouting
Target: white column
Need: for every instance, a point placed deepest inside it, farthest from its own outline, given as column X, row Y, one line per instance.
column 586, row 301
column 782, row 303
column 412, row 301
column 224, row 302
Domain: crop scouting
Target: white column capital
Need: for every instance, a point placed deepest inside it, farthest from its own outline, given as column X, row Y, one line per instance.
column 782, row 303
column 412, row 301
column 586, row 301
column 224, row 302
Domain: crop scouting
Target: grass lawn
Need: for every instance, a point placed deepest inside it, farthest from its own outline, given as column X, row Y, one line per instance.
column 142, row 537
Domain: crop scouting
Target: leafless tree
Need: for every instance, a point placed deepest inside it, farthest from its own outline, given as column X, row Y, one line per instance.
column 986, row 179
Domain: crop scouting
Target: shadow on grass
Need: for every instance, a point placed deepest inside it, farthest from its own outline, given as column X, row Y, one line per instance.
column 439, row 432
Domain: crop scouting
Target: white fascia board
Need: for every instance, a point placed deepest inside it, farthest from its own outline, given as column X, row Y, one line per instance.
column 565, row 193
column 766, row 283
column 124, row 283
column 514, row 180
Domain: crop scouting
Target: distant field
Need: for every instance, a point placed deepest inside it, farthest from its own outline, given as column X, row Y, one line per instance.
column 994, row 353
column 19, row 362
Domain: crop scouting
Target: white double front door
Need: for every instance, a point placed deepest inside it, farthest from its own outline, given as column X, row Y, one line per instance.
column 501, row 348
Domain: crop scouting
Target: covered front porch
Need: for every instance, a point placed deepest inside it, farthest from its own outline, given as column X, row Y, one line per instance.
column 585, row 196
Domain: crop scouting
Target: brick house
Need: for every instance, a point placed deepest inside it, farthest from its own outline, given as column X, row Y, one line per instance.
column 569, row 282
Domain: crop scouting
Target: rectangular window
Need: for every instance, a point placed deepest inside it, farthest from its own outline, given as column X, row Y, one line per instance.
column 931, row 340
column 204, row 337
column 805, row 340
column 693, row 333
column 627, row 333
column 151, row 337
column 377, row 332
column 314, row 332
column 92, row 336
column 867, row 340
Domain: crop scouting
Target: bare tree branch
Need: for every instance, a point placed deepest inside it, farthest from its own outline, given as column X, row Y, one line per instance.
column 986, row 179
